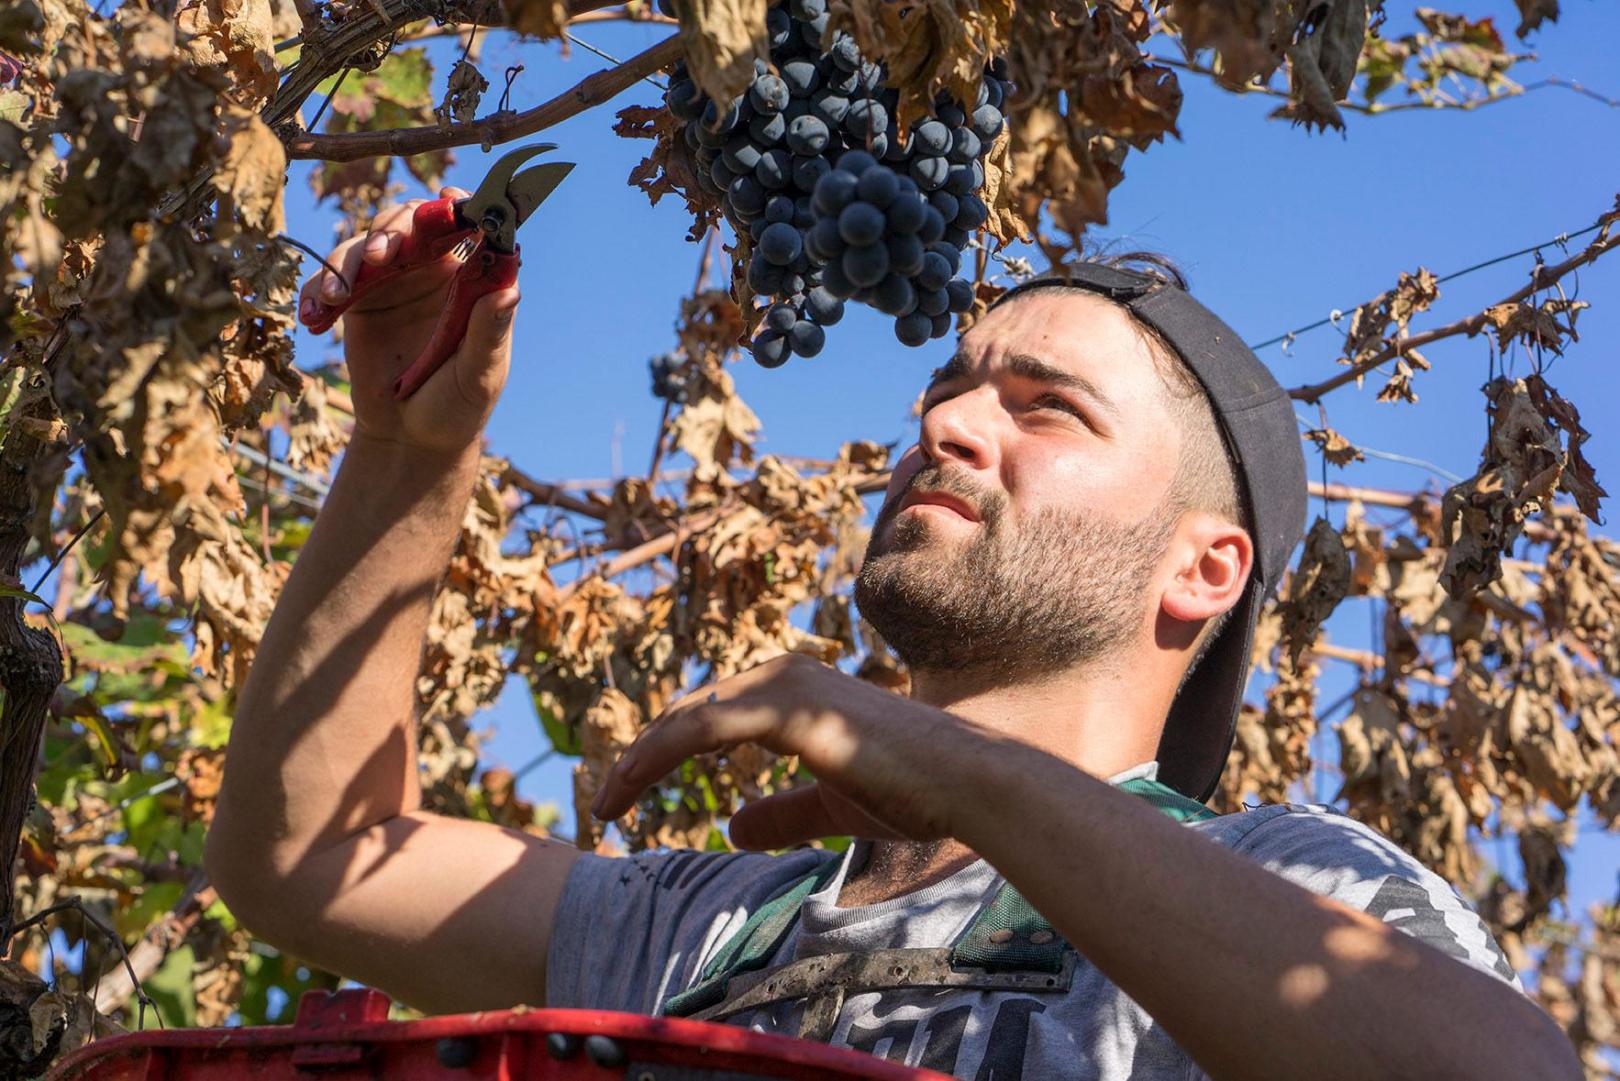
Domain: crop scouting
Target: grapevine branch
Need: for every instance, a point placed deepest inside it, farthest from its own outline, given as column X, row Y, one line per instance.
column 1542, row 277
column 1374, row 108
column 499, row 128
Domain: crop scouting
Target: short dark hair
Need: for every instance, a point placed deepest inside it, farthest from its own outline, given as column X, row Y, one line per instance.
column 1206, row 476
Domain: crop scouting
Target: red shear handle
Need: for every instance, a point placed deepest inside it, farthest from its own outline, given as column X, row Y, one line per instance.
column 434, row 231
column 486, row 272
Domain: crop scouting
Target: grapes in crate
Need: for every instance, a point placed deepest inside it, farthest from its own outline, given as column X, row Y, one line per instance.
column 839, row 203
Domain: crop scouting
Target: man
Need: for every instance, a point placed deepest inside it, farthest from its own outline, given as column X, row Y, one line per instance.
column 1037, row 893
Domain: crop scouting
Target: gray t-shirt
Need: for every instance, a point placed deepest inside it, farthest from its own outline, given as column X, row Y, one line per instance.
column 631, row 931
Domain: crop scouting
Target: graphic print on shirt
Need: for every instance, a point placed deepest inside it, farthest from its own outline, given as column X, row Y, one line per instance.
column 1407, row 906
column 984, row 1041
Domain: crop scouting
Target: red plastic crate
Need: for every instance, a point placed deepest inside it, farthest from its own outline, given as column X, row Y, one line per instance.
column 346, row 1035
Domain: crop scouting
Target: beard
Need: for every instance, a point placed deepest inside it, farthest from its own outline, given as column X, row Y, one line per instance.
column 1059, row 590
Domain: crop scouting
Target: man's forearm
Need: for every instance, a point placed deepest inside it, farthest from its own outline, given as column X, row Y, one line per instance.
column 1254, row 976
column 322, row 743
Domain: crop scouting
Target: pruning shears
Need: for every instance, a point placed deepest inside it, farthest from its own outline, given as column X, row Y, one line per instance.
column 480, row 231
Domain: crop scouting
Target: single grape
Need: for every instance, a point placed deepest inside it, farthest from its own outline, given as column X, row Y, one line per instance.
column 929, row 173
column 960, row 293
column 747, row 195
column 959, row 179
column 764, row 278
column 894, row 295
column 705, row 182
column 834, row 280
column 801, row 77
column 940, row 326
column 775, row 168
column 905, row 253
column 756, row 228
column 834, row 191
column 877, row 145
column 995, row 92
column 866, row 117
column 865, row 266
column 779, row 208
column 860, row 223
column 878, row 187
column 986, row 123
column 768, row 130
column 720, row 174
column 721, row 121
column 740, row 154
column 998, row 67
column 932, row 302
column 871, row 77
column 951, row 253
column 778, row 25
column 933, row 226
column 831, row 107
column 845, row 53
column 781, row 317
column 856, row 161
column 841, row 81
column 936, row 270
column 690, row 133
column 906, row 213
column 810, row 32
column 951, row 115
column 806, row 338
column 685, row 100
column 821, row 305
column 781, row 243
column 708, row 137
column 906, row 183
column 964, row 146
column 955, row 236
column 946, row 203
column 912, row 329
column 931, row 138
column 808, row 135
column 792, row 283
column 823, row 241
column 981, row 95
column 768, row 94
column 808, row 171
column 770, row 349
column 973, row 214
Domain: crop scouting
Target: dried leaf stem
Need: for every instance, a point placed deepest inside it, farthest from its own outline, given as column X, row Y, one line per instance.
column 591, row 91
column 1543, row 277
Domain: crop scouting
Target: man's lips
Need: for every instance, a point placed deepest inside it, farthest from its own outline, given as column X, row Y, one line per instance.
column 938, row 499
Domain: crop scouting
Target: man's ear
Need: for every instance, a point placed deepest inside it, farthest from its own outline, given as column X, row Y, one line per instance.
column 1212, row 561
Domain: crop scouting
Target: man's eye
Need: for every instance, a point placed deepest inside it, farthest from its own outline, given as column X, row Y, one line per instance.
column 1061, row 403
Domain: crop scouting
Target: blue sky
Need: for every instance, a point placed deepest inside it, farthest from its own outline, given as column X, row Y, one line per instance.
column 1276, row 228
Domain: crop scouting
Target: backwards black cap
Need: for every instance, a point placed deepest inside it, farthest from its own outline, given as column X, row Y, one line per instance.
column 1257, row 423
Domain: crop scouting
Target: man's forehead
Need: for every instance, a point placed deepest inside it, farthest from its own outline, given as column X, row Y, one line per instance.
column 1090, row 347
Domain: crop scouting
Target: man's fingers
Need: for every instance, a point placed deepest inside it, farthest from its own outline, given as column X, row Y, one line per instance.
column 706, row 726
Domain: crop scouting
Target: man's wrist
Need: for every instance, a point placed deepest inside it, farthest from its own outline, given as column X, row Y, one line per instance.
column 394, row 456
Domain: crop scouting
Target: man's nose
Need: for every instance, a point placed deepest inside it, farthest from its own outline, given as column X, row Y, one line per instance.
column 960, row 428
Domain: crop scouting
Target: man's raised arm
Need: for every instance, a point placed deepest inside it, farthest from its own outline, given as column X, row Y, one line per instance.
column 319, row 843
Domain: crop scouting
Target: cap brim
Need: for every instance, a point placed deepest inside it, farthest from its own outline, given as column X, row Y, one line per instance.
column 1203, row 719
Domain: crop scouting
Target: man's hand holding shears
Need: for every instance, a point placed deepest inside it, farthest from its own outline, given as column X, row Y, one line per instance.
column 427, row 298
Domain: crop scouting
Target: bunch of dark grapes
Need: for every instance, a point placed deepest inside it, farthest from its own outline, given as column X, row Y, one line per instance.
column 668, row 378
column 839, row 202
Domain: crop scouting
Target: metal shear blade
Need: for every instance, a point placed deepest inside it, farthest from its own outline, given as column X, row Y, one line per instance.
column 507, row 197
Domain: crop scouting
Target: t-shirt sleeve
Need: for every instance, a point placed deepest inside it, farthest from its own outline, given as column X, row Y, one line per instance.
column 1332, row 854
column 632, row 930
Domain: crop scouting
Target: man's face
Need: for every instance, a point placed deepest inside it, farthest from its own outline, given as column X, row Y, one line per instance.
column 1024, row 530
